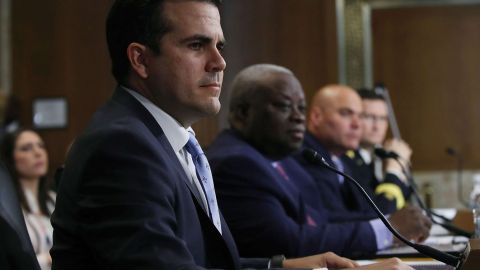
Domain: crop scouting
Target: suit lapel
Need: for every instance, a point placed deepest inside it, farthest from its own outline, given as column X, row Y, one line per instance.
column 137, row 109
column 181, row 172
column 330, row 178
column 10, row 209
column 229, row 241
column 312, row 142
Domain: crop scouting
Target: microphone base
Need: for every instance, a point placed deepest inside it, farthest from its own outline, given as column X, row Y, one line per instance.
column 471, row 258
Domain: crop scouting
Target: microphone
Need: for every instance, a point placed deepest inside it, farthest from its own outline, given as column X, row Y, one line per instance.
column 313, row 157
column 382, row 153
column 450, row 151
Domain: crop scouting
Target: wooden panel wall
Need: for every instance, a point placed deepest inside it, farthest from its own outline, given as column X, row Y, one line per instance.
column 429, row 58
column 298, row 34
column 59, row 49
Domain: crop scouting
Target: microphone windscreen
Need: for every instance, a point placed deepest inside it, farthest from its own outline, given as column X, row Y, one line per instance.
column 451, row 151
column 381, row 153
column 310, row 155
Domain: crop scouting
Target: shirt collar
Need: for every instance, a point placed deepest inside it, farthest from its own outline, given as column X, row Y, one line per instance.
column 366, row 155
column 177, row 135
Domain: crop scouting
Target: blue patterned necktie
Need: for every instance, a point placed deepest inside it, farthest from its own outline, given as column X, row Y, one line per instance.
column 205, row 176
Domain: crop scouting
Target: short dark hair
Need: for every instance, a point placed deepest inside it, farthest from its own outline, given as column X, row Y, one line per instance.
column 139, row 21
column 370, row 94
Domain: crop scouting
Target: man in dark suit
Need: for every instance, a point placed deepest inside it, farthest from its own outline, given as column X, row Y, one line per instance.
column 262, row 191
column 136, row 192
column 332, row 129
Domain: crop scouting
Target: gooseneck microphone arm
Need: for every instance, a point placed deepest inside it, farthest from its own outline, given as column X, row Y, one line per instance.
column 313, row 157
column 382, row 153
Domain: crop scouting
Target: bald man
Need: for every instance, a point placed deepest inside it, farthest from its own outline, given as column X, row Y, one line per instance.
column 333, row 128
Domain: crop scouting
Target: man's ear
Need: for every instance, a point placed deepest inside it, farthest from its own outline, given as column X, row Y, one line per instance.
column 137, row 57
column 316, row 114
column 238, row 117
column 242, row 112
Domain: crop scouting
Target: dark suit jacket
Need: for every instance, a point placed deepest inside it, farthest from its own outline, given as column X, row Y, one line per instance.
column 16, row 251
column 343, row 201
column 266, row 211
column 364, row 174
column 125, row 202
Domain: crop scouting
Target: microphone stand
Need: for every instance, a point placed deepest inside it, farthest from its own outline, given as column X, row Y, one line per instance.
column 446, row 258
column 452, row 152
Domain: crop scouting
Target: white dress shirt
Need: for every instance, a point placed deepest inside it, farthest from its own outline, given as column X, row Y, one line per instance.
column 177, row 136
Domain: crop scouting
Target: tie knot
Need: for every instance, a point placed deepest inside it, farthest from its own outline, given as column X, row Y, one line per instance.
column 193, row 147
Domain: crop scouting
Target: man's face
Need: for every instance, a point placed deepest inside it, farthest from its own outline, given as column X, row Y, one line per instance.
column 185, row 79
column 374, row 122
column 276, row 118
column 339, row 126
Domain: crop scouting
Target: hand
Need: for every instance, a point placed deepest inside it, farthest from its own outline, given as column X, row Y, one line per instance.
column 390, row 264
column 402, row 149
column 329, row 260
column 411, row 223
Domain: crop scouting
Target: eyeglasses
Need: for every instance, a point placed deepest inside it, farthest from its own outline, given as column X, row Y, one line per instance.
column 374, row 118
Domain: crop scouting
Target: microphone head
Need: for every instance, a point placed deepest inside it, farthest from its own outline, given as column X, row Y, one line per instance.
column 451, row 151
column 313, row 157
column 310, row 155
column 381, row 153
